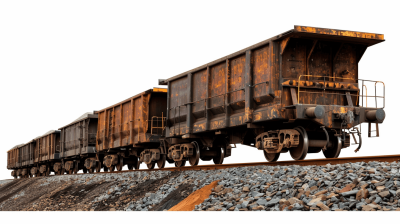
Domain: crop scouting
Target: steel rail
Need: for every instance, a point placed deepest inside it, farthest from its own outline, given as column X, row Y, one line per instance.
column 308, row 162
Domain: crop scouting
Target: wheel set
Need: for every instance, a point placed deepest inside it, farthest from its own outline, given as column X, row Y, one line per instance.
column 331, row 148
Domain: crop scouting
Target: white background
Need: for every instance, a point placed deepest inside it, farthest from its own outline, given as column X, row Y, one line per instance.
column 60, row 59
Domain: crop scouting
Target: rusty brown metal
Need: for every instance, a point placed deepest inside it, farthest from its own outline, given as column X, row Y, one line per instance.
column 128, row 123
column 79, row 137
column 130, row 127
column 305, row 75
column 247, row 85
column 78, row 141
column 47, row 147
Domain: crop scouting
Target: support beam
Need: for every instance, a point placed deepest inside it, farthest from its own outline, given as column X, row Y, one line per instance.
column 189, row 116
column 248, row 117
column 227, row 108
column 167, row 122
column 132, row 121
column 309, row 55
column 294, row 96
column 361, row 53
column 274, row 68
column 337, row 52
column 349, row 100
column 208, row 95
column 284, row 44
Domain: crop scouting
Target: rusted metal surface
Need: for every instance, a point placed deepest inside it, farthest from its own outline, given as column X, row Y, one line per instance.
column 306, row 77
column 368, row 39
column 79, row 137
column 47, row 147
column 14, row 157
column 128, row 123
column 131, row 129
column 331, row 67
column 341, row 33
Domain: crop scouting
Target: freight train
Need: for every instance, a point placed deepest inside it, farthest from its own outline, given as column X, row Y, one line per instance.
column 298, row 92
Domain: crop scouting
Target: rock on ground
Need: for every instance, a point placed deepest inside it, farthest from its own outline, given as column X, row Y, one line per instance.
column 351, row 186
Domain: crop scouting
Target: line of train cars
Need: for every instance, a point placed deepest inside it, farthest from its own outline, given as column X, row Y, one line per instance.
column 298, row 92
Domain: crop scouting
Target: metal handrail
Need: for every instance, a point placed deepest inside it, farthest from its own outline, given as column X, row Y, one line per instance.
column 157, row 120
column 358, row 95
column 376, row 103
column 366, row 93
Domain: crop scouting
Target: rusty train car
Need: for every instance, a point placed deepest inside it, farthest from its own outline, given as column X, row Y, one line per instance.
column 129, row 132
column 78, row 143
column 298, row 92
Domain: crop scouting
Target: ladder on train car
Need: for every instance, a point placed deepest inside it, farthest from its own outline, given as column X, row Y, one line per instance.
column 158, row 123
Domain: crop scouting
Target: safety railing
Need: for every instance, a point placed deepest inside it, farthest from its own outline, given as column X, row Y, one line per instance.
column 157, row 124
column 358, row 95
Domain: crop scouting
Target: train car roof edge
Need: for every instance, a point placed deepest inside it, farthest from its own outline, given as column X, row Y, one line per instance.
column 82, row 117
column 155, row 89
column 299, row 30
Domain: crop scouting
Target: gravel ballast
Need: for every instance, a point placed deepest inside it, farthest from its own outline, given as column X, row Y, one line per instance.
column 351, row 186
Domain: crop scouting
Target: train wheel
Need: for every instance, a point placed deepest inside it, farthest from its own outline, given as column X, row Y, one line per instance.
column 161, row 162
column 76, row 170
column 151, row 165
column 69, row 171
column 105, row 169
column 119, row 167
column 195, row 158
column 180, row 163
column 219, row 158
column 62, row 172
column 271, row 157
column 91, row 171
column 112, row 168
column 98, row 167
column 334, row 151
column 300, row 152
column 120, row 164
column 85, row 170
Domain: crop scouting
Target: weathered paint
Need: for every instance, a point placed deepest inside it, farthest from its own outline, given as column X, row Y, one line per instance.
column 344, row 33
column 47, row 147
column 79, row 137
column 254, row 84
column 128, row 123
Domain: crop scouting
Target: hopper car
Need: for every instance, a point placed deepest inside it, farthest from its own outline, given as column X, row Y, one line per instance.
column 298, row 92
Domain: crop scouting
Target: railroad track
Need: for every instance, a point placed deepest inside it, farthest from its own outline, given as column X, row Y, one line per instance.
column 308, row 162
